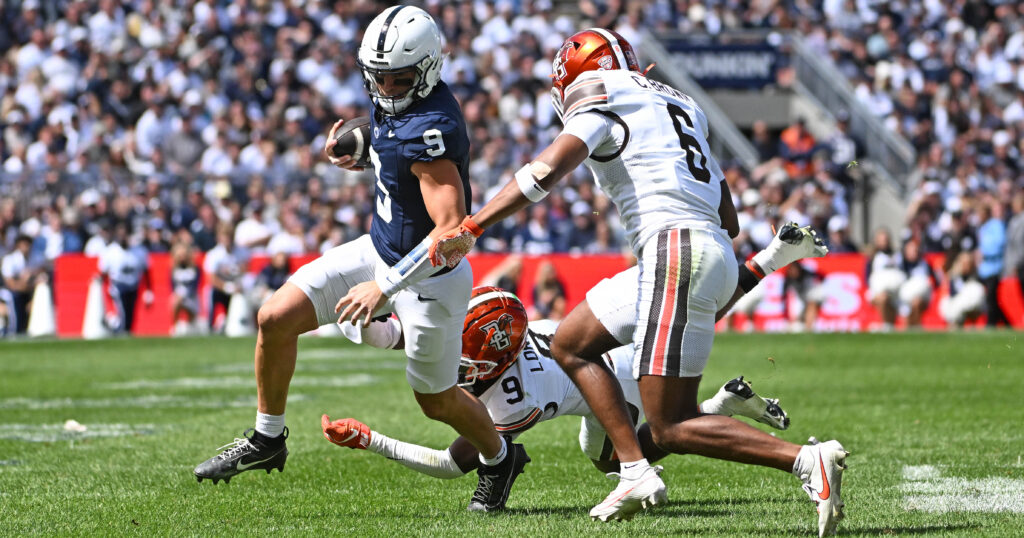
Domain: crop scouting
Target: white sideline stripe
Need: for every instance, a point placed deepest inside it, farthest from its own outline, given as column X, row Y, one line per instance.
column 926, row 490
column 237, row 382
column 145, row 402
column 49, row 433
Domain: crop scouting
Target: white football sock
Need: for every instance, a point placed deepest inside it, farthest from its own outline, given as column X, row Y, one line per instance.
column 269, row 425
column 631, row 470
column 765, row 259
column 436, row 463
column 804, row 463
column 490, row 462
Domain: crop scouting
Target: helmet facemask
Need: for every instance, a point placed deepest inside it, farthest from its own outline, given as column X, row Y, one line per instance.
column 421, row 84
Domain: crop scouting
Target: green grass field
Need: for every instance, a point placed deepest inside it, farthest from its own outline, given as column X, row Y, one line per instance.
column 933, row 421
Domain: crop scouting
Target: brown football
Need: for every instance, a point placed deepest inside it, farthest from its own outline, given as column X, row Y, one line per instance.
column 354, row 139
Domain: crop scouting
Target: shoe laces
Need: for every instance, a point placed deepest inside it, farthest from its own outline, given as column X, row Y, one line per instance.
column 237, row 447
column 483, row 488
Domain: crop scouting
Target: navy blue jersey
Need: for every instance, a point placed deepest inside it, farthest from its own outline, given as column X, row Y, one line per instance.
column 431, row 129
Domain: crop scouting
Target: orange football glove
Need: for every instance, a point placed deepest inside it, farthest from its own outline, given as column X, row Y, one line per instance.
column 346, row 432
column 450, row 247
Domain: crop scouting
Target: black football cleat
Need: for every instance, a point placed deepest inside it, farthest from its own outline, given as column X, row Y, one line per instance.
column 248, row 453
column 495, row 482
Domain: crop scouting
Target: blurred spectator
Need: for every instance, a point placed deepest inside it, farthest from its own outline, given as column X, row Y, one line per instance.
column 960, row 236
column 506, row 275
column 125, row 268
column 796, row 145
column 885, row 276
column 766, row 145
column 184, row 289
column 838, row 240
column 253, row 233
column 991, row 244
column 17, row 285
column 270, row 278
column 915, row 294
column 224, row 267
column 548, row 293
column 966, row 300
column 1015, row 242
column 802, row 293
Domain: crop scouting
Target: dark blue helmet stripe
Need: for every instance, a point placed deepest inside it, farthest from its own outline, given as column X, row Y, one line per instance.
column 387, row 24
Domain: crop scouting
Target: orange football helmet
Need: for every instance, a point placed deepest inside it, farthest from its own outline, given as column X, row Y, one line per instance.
column 594, row 49
column 493, row 334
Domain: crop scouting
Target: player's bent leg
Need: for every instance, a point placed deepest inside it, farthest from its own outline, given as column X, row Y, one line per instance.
column 577, row 346
column 286, row 315
column 280, row 321
column 679, row 427
column 468, row 416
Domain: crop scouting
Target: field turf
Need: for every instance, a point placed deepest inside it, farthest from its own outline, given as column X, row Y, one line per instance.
column 934, row 422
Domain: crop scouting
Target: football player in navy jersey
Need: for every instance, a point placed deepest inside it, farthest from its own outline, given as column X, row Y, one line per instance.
column 420, row 154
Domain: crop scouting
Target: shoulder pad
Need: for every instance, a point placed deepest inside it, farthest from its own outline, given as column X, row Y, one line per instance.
column 586, row 93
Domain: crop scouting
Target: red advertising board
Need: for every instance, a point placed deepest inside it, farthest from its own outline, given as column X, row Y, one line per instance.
column 845, row 307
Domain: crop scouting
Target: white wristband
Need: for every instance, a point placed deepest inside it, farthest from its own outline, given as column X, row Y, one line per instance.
column 528, row 184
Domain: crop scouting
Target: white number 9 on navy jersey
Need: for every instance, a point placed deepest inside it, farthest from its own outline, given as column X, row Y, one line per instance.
column 433, row 137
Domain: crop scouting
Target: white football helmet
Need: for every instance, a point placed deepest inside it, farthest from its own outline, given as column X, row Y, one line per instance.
column 399, row 38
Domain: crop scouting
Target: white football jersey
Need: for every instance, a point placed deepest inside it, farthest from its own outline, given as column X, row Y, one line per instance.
column 535, row 388
column 654, row 161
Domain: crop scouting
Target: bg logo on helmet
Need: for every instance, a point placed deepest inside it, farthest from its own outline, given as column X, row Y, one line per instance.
column 499, row 338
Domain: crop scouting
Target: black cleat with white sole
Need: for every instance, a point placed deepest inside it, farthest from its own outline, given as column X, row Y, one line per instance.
column 495, row 482
column 247, row 453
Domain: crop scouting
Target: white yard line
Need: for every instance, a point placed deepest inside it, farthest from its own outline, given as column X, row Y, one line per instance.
column 925, row 489
column 49, row 433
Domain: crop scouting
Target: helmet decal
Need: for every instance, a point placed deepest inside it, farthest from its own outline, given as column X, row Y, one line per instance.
column 497, row 331
column 384, row 30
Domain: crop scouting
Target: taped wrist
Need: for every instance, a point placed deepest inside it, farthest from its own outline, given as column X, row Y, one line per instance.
column 528, row 182
column 414, row 267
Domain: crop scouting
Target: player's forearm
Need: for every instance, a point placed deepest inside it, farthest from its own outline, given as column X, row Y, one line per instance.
column 505, row 204
column 436, row 463
column 533, row 181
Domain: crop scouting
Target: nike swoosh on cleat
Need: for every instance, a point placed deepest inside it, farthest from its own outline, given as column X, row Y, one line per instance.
column 243, row 466
column 825, row 492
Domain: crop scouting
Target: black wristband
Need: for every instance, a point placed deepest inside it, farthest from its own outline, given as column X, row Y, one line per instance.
column 747, row 279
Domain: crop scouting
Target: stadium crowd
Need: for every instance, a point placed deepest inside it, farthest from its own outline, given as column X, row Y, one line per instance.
column 199, row 125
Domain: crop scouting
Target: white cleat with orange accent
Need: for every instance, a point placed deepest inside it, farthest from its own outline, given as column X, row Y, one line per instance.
column 824, row 484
